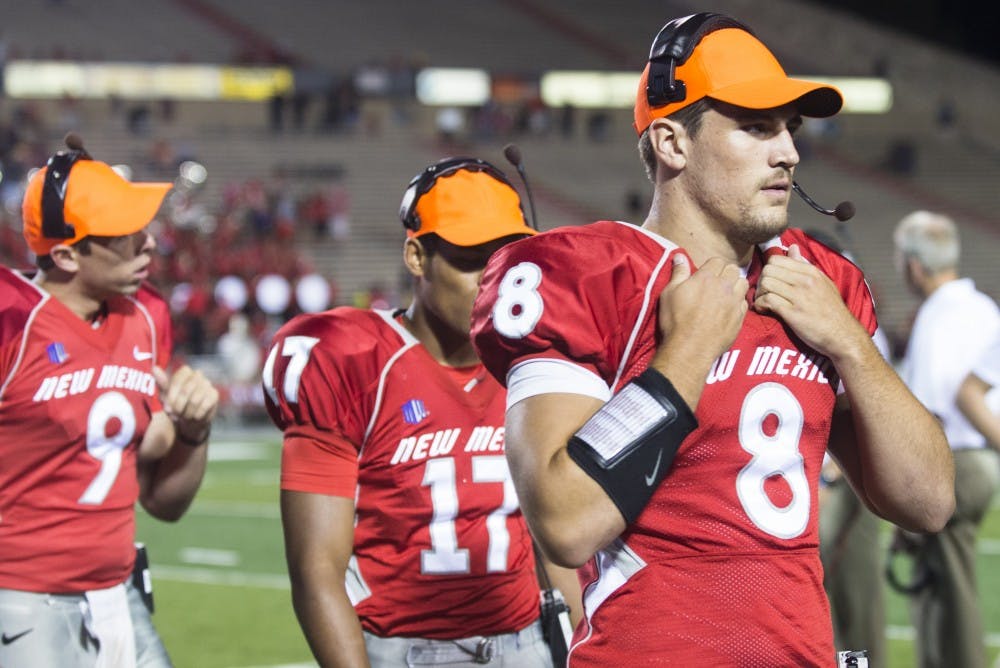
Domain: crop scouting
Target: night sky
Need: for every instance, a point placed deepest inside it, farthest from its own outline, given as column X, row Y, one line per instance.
column 968, row 26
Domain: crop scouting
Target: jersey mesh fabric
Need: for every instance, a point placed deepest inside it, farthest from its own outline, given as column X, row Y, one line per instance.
column 74, row 405
column 728, row 569
column 373, row 416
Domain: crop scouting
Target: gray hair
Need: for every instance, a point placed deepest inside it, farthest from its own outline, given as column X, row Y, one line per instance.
column 929, row 238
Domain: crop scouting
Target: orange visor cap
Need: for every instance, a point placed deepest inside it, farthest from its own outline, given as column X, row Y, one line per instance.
column 470, row 208
column 733, row 66
column 97, row 202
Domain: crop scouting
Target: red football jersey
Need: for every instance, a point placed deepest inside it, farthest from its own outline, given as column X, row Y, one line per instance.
column 441, row 549
column 75, row 401
column 722, row 566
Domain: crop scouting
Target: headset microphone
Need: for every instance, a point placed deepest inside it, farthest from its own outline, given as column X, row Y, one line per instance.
column 513, row 155
column 842, row 212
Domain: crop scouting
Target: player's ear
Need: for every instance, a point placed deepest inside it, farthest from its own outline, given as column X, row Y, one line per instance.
column 670, row 143
column 914, row 269
column 65, row 258
column 415, row 257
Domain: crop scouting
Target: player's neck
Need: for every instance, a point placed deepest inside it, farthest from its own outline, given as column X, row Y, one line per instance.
column 88, row 308
column 701, row 240
column 447, row 346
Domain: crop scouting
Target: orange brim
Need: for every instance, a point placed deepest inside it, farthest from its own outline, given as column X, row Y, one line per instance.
column 811, row 98
column 107, row 205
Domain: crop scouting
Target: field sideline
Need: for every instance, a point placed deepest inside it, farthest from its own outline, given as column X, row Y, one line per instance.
column 222, row 593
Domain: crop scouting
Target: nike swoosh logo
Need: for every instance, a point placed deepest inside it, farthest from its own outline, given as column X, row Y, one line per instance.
column 651, row 478
column 141, row 356
column 6, row 639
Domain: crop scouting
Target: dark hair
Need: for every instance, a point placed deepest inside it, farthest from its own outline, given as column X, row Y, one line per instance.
column 430, row 242
column 690, row 117
column 45, row 262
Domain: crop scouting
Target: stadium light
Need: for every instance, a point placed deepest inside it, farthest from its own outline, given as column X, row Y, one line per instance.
column 589, row 90
column 312, row 293
column 231, row 292
column 441, row 86
column 616, row 90
column 143, row 81
column 273, row 294
column 862, row 95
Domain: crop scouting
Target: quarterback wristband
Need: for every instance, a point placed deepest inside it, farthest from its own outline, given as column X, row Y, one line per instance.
column 193, row 442
column 628, row 445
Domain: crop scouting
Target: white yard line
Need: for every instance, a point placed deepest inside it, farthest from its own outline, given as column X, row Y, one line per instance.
column 237, row 451
column 989, row 546
column 219, row 577
column 907, row 633
column 209, row 556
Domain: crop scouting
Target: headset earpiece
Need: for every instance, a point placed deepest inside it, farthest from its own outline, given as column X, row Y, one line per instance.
column 54, row 225
column 672, row 47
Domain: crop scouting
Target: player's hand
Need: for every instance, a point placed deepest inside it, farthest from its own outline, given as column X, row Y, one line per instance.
column 700, row 315
column 807, row 301
column 189, row 400
column 703, row 310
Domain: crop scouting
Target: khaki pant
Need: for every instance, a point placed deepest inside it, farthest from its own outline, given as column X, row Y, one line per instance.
column 852, row 572
column 946, row 613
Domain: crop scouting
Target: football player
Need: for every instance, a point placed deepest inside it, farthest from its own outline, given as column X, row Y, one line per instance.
column 403, row 535
column 90, row 421
column 672, row 386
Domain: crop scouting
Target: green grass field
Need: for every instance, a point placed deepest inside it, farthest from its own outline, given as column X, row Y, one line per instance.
column 221, row 590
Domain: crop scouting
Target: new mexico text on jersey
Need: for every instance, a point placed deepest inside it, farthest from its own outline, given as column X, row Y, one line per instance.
column 74, row 404
column 741, row 484
column 439, row 544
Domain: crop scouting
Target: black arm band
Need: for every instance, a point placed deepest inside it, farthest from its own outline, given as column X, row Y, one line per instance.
column 629, row 444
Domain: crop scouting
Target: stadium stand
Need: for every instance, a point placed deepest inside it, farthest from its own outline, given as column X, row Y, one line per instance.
column 587, row 175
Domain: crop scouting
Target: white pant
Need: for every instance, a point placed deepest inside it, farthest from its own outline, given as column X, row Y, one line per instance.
column 89, row 630
column 522, row 649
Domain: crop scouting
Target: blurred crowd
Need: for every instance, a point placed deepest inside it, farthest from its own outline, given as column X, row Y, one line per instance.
column 232, row 269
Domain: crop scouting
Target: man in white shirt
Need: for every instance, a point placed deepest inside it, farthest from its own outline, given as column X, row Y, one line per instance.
column 979, row 395
column 954, row 327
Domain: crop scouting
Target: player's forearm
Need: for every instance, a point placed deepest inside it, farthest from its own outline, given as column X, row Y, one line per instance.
column 567, row 582
column 319, row 538
column 685, row 362
column 699, row 319
column 570, row 515
column 329, row 622
column 904, row 464
column 170, row 484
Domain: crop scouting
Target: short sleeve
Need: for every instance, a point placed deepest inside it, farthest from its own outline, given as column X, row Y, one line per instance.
column 988, row 367
column 318, row 462
column 571, row 295
column 317, row 379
